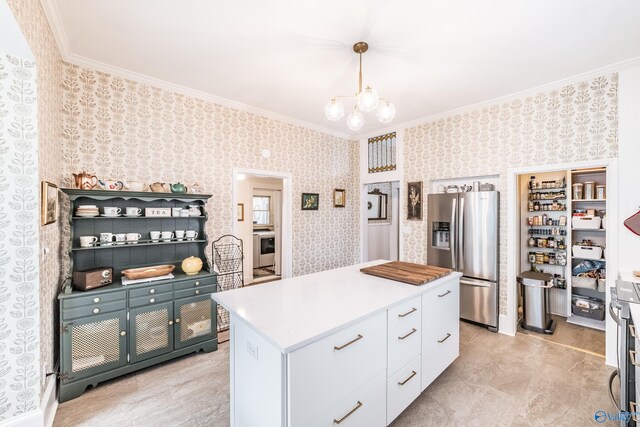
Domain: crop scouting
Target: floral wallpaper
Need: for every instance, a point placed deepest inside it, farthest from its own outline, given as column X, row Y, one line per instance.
column 574, row 123
column 19, row 270
column 120, row 129
column 35, row 27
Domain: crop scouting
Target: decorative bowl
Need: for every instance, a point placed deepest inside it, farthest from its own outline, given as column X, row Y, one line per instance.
column 147, row 272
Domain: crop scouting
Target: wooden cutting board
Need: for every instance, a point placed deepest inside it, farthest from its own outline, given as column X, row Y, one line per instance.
column 407, row 272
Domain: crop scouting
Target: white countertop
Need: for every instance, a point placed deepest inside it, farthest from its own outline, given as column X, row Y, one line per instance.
column 292, row 313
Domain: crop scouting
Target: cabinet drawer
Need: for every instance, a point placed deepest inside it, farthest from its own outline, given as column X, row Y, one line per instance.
column 438, row 351
column 403, row 344
column 439, row 306
column 200, row 290
column 403, row 388
column 150, row 299
column 326, row 371
column 193, row 283
column 365, row 407
column 93, row 299
column 94, row 310
column 150, row 290
column 404, row 312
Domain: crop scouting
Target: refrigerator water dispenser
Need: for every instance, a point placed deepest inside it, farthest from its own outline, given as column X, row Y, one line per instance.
column 440, row 238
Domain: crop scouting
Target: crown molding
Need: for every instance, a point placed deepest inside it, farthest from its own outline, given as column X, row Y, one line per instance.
column 55, row 23
column 547, row 87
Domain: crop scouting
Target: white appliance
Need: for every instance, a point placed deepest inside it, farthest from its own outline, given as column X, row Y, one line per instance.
column 265, row 249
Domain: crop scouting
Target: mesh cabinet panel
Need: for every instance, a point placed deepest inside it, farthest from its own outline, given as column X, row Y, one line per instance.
column 95, row 344
column 195, row 319
column 152, row 331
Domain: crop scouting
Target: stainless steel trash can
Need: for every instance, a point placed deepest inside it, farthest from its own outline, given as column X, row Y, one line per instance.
column 535, row 301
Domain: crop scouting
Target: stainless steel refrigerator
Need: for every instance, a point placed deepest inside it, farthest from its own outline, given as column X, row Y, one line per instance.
column 463, row 235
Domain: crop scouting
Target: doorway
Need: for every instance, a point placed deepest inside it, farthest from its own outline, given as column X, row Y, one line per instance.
column 263, row 222
column 382, row 213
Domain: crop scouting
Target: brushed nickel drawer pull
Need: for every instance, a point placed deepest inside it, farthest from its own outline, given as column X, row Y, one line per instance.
column 178, row 320
column 358, row 406
column 632, row 329
column 408, row 312
column 197, row 283
column 96, row 299
column 445, row 294
column 634, row 356
column 413, row 331
column 152, row 300
column 170, row 322
column 96, row 310
column 340, row 347
column 445, row 338
column 123, row 333
column 152, row 291
column 413, row 374
column 197, row 291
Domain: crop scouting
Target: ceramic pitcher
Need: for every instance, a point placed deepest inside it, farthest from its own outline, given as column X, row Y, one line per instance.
column 85, row 181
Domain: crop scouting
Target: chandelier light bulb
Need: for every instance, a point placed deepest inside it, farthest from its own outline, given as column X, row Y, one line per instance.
column 355, row 120
column 368, row 99
column 334, row 110
column 386, row 112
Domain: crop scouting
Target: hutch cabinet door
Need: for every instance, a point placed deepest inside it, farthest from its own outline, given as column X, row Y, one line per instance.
column 93, row 345
column 151, row 331
column 195, row 320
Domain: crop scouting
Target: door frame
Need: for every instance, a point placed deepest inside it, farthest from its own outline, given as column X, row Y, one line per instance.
column 287, row 212
column 364, row 221
column 509, row 325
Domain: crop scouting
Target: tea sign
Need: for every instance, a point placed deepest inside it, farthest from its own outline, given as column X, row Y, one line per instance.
column 157, row 212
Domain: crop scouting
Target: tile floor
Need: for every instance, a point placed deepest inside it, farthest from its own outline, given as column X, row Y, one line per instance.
column 496, row 381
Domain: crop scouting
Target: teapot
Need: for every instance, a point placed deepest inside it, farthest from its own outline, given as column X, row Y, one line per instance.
column 109, row 184
column 135, row 185
column 84, row 181
column 158, row 187
column 178, row 188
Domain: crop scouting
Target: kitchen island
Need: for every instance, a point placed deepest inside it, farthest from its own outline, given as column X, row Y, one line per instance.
column 337, row 347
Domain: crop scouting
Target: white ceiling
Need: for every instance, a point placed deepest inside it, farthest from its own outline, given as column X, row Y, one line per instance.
column 291, row 57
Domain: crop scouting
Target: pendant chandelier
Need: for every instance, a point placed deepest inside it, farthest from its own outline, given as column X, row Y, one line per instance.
column 366, row 100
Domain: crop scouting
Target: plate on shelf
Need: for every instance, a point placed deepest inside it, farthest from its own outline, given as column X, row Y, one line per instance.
column 132, row 215
column 86, row 215
column 110, row 216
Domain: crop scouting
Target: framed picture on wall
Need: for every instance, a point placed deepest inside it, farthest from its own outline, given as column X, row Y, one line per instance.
column 240, row 212
column 414, row 201
column 339, row 198
column 310, row 201
column 48, row 202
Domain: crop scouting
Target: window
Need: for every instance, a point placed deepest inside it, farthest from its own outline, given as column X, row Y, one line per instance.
column 262, row 210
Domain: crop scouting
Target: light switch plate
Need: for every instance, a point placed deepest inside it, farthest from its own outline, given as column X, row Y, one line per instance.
column 252, row 349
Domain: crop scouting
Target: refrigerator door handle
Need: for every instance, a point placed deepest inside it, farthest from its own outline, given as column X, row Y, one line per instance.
column 452, row 231
column 480, row 283
column 461, row 237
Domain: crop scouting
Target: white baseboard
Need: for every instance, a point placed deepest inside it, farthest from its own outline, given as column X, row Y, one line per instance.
column 49, row 403
column 505, row 327
column 31, row 419
column 43, row 416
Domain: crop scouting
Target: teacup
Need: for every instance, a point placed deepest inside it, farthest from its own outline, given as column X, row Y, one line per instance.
column 167, row 236
column 155, row 235
column 106, row 239
column 120, row 238
column 133, row 238
column 176, row 211
column 87, row 241
column 179, row 235
column 112, row 211
column 184, row 212
column 133, row 211
column 191, row 234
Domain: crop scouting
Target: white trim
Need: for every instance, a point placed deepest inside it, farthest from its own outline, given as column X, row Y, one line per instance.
column 510, row 322
column 52, row 13
column 505, row 327
column 49, row 403
column 287, row 212
column 30, row 419
column 611, row 68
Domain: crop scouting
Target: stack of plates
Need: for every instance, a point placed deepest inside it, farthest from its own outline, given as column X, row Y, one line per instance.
column 87, row 210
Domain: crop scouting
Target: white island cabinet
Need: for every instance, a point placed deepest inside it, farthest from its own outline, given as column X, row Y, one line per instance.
column 337, row 348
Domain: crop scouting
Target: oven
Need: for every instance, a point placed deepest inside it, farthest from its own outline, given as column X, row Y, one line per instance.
column 266, row 248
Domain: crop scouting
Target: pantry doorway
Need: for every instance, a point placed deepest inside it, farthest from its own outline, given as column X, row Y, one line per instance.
column 558, row 217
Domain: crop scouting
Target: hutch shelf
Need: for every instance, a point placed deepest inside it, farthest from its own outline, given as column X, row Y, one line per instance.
column 114, row 330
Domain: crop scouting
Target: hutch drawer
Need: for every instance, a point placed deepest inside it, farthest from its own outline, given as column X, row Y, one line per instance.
column 93, row 310
column 150, row 290
column 150, row 299
column 195, row 291
column 194, row 283
column 93, row 299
